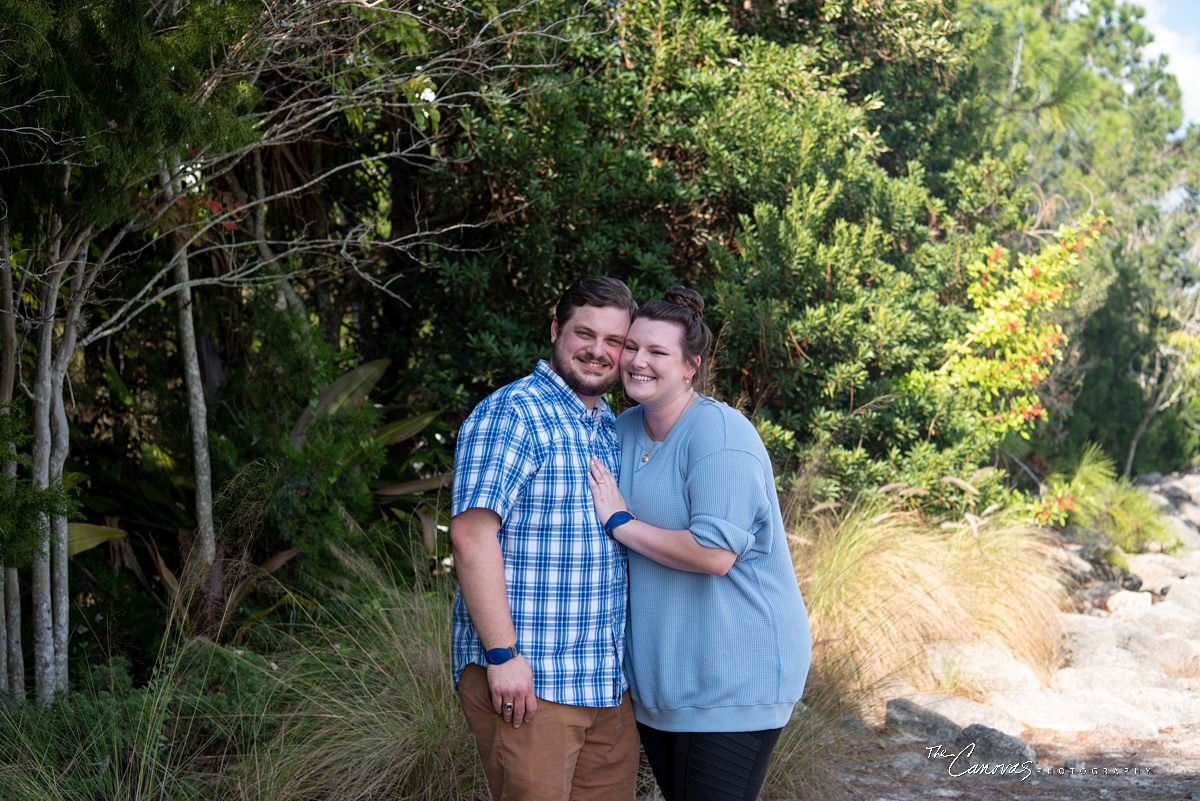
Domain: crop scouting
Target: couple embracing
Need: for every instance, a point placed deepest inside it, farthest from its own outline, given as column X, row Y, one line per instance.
column 622, row 579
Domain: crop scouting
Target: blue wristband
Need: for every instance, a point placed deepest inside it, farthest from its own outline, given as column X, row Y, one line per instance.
column 498, row 656
column 618, row 519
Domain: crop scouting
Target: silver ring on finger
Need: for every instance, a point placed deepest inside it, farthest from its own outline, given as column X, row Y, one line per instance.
column 508, row 708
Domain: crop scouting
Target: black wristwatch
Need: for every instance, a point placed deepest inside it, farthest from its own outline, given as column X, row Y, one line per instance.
column 498, row 656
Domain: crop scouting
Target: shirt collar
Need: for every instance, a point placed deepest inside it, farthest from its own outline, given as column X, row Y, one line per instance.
column 568, row 396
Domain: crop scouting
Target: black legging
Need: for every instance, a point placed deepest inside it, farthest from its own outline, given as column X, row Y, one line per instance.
column 709, row 766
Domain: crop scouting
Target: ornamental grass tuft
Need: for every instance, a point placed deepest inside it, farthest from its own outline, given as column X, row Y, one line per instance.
column 883, row 584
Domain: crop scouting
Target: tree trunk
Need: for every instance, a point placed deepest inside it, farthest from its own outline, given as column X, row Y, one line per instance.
column 288, row 299
column 59, row 447
column 8, row 376
column 1137, row 436
column 3, row 639
column 1162, row 398
column 60, row 592
column 43, row 615
column 43, row 618
column 16, row 655
column 197, row 410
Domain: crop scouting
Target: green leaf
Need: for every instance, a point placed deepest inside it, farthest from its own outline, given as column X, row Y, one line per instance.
column 413, row 487
column 115, row 385
column 270, row 566
column 346, row 392
column 401, row 430
column 71, row 479
column 85, row 536
column 429, row 529
column 247, row 584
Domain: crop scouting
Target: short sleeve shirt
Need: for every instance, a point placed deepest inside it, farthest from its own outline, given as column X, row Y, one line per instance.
column 524, row 454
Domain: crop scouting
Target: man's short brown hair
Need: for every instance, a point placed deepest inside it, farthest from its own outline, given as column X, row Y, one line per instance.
column 600, row 291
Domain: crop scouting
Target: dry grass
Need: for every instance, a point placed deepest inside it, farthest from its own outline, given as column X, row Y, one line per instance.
column 882, row 584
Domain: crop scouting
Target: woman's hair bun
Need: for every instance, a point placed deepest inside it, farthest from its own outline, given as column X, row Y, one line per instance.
column 689, row 299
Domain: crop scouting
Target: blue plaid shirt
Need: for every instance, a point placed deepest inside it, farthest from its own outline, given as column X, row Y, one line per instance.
column 523, row 453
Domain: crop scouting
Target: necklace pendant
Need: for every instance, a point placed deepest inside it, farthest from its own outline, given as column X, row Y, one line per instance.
column 646, row 457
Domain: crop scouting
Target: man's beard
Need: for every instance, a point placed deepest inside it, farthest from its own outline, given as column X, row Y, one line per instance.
column 586, row 386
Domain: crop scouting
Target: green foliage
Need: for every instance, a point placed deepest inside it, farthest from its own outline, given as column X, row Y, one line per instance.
column 24, row 508
column 1075, row 100
column 1109, row 515
column 97, row 89
column 1013, row 342
column 353, row 700
column 321, row 483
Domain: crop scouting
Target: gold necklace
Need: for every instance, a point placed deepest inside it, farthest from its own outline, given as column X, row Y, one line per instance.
column 646, row 455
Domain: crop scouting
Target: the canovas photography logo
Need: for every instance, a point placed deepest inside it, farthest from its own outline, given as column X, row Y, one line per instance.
column 963, row 763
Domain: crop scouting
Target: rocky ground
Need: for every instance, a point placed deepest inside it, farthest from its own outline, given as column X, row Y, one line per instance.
column 1119, row 719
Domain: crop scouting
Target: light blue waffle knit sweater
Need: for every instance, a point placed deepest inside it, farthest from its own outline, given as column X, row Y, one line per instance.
column 711, row 653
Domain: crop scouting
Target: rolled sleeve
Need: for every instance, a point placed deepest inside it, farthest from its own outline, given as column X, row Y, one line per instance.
column 493, row 459
column 728, row 503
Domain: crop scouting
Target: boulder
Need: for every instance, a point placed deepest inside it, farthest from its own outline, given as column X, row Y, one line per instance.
column 1159, row 500
column 963, row 712
column 911, row 718
column 1070, row 562
column 1093, row 595
column 1175, row 491
column 1189, row 511
column 1172, row 616
column 1125, row 601
column 1185, row 594
column 1167, row 708
column 995, row 750
column 1099, row 642
column 1184, row 531
column 977, row 666
column 1114, row 680
column 1079, row 711
column 1149, row 478
column 1156, row 570
column 1191, row 483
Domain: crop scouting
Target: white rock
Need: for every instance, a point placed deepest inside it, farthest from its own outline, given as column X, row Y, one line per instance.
column 1189, row 511
column 1158, row 500
column 1185, row 594
column 1086, row 710
column 963, row 712
column 1156, row 570
column 1191, row 483
column 1166, row 618
column 1167, row 708
column 1183, row 530
column 1126, row 601
column 1114, row 680
column 979, row 667
column 1107, row 643
column 1179, row 657
column 1175, row 490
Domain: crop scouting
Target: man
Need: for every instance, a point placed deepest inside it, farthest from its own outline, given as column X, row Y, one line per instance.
column 539, row 620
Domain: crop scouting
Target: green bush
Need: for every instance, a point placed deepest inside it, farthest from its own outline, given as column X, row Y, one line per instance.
column 1107, row 514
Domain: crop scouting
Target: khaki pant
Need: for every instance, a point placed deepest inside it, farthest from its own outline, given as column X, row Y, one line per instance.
column 566, row 753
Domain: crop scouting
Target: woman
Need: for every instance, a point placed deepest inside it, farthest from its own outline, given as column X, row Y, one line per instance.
column 719, row 643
